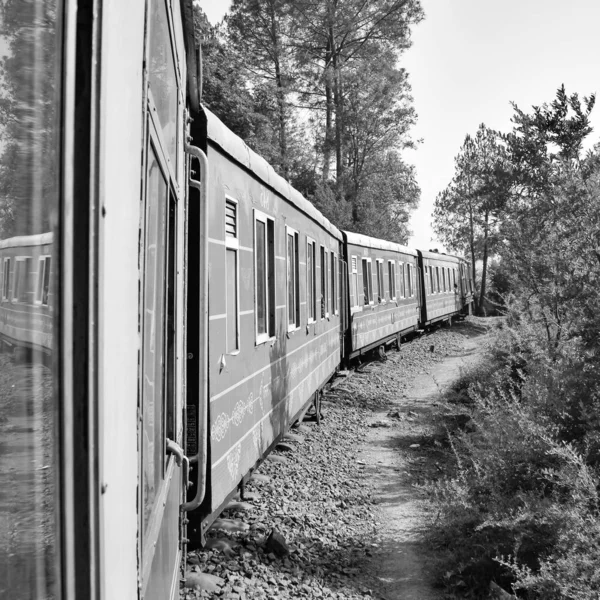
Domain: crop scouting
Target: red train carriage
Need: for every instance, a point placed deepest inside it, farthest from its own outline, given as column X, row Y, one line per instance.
column 442, row 285
column 384, row 293
column 26, row 295
column 273, row 311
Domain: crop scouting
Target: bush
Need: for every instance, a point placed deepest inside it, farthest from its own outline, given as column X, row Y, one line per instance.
column 518, row 503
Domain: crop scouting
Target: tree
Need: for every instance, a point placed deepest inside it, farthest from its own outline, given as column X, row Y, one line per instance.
column 468, row 212
column 552, row 241
column 260, row 32
column 331, row 35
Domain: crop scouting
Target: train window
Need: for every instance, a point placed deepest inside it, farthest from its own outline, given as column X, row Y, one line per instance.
column 334, row 261
column 367, row 281
column 443, row 279
column 311, row 280
column 163, row 77
column 454, row 278
column 380, row 282
column 402, row 282
column 231, row 276
column 43, row 280
column 6, row 279
column 392, row 278
column 431, row 282
column 264, row 254
column 409, row 284
column 22, row 283
column 293, row 287
column 324, row 285
column 354, row 283
column 153, row 334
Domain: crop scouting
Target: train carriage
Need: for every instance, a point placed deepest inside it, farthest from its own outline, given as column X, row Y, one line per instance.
column 384, row 296
column 441, row 279
column 26, row 294
column 274, row 309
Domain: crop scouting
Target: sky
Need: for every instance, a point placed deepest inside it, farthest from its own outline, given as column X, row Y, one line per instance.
column 470, row 59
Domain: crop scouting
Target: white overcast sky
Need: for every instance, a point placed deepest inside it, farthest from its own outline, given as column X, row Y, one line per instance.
column 470, row 59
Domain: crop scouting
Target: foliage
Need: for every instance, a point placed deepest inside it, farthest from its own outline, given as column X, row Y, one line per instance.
column 519, row 502
column 467, row 214
column 315, row 87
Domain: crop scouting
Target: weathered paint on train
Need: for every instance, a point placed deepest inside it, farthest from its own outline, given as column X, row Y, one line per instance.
column 377, row 318
column 258, row 384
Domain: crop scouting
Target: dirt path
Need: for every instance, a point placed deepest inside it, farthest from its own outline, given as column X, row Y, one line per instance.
column 342, row 494
column 396, row 466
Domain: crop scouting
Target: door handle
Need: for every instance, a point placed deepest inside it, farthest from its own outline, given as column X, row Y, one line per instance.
column 181, row 459
column 175, row 449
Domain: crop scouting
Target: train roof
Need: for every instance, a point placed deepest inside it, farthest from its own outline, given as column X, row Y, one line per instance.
column 236, row 148
column 441, row 256
column 22, row 241
column 358, row 239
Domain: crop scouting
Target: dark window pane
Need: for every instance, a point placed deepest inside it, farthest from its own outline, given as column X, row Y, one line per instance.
column 261, row 278
column 232, row 300
column 291, row 282
column 310, row 275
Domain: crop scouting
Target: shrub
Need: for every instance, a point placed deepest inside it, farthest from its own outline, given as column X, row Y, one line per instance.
column 518, row 502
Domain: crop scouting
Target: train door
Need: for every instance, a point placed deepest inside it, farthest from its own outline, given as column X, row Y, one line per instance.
column 161, row 307
column 343, row 303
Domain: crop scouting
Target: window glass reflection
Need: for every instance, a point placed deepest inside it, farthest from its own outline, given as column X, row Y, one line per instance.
column 29, row 163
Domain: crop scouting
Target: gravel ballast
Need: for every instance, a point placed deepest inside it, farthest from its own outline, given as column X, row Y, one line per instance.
column 312, row 529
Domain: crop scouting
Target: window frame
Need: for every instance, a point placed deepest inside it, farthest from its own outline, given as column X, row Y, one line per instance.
column 17, row 281
column 402, row 280
column 324, row 281
column 311, row 245
column 295, row 235
column 270, row 268
column 380, row 281
column 409, row 281
column 367, row 266
column 354, row 282
column 43, row 260
column 334, row 283
column 6, row 279
column 392, row 279
column 232, row 244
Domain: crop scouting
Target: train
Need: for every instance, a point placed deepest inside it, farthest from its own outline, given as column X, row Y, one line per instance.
column 170, row 306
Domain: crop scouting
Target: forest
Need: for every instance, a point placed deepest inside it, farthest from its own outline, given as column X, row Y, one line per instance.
column 316, row 87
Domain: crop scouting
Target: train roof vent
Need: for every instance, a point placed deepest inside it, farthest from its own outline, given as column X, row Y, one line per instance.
column 231, row 218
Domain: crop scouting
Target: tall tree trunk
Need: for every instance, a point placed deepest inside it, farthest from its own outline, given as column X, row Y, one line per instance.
column 485, row 261
column 338, row 98
column 280, row 92
column 328, row 107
